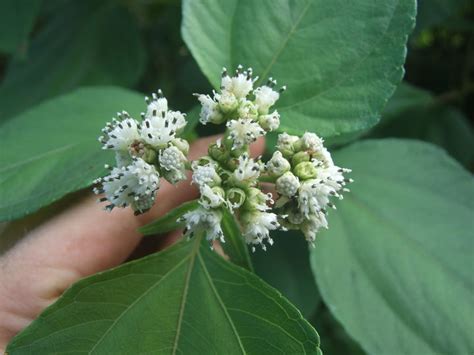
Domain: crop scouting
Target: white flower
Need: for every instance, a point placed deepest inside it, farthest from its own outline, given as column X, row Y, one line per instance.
column 134, row 185
column 271, row 121
column 173, row 161
column 286, row 141
column 161, row 129
column 248, row 170
column 211, row 197
column 311, row 141
column 312, row 225
column 313, row 196
column 265, row 97
column 287, row 184
column 205, row 175
column 209, row 110
column 277, row 165
column 244, row 131
column 157, row 105
column 203, row 220
column 239, row 85
column 257, row 226
column 119, row 134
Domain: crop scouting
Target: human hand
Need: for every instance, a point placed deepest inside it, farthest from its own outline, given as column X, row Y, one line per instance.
column 78, row 242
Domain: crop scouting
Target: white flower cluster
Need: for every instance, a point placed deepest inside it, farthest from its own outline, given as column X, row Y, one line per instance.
column 305, row 178
column 245, row 110
column 233, row 187
column 144, row 151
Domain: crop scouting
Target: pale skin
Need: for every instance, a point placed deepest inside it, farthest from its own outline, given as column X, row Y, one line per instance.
column 80, row 241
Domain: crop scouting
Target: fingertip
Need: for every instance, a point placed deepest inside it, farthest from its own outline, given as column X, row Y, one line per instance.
column 258, row 147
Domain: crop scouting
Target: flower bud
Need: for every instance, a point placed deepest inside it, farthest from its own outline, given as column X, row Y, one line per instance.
column 277, row 165
column 212, row 197
column 218, row 152
column 235, row 197
column 270, row 122
column 287, row 184
column 311, row 142
column 305, row 170
column 300, row 157
column 285, row 144
column 228, row 102
column 257, row 200
column 247, row 109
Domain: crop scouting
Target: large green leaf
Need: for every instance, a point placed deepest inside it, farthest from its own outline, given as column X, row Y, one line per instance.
column 395, row 266
column 52, row 149
column 185, row 300
column 16, row 21
column 415, row 113
column 84, row 43
column 285, row 266
column 341, row 60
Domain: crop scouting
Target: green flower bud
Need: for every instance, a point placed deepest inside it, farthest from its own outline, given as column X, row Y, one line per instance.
column 235, row 197
column 256, row 200
column 305, row 170
column 277, row 165
column 300, row 157
column 228, row 102
column 218, row 152
column 285, row 144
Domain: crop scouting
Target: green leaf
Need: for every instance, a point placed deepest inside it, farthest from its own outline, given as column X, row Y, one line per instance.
column 16, row 21
column 395, row 266
column 169, row 221
column 234, row 247
column 52, row 149
column 341, row 60
column 414, row 113
column 285, row 266
column 85, row 43
column 185, row 300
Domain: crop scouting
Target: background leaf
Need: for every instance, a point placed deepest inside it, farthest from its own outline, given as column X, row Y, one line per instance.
column 84, row 43
column 285, row 266
column 16, row 21
column 185, row 299
column 395, row 266
column 340, row 60
column 52, row 149
column 415, row 113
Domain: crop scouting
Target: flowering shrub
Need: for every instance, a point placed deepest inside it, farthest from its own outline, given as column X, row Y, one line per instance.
column 241, row 253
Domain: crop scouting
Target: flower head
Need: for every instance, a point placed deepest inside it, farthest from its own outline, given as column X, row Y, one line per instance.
column 244, row 131
column 120, row 133
column 204, row 220
column 134, row 185
column 257, row 226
